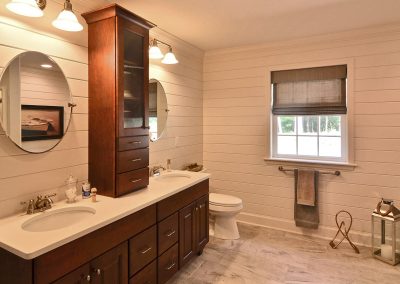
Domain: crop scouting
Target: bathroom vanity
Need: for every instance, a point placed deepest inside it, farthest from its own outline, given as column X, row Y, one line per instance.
column 143, row 237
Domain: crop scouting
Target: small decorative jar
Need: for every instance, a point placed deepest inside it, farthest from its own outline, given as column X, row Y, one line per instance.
column 70, row 191
column 385, row 232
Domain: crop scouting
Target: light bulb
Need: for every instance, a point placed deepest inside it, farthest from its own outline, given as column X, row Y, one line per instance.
column 28, row 8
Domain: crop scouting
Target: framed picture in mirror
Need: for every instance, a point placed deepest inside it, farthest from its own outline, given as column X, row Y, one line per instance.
column 41, row 122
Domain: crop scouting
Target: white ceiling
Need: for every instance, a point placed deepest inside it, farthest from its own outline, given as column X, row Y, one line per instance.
column 214, row 24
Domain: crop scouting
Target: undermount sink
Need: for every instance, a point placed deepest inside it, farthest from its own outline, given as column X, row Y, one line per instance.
column 172, row 177
column 57, row 219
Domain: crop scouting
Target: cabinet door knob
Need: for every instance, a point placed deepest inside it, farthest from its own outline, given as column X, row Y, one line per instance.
column 88, row 278
column 98, row 271
column 197, row 208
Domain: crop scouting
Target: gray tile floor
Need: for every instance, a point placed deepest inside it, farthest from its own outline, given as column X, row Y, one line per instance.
column 269, row 256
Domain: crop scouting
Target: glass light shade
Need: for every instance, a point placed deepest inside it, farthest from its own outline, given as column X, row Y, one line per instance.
column 67, row 21
column 28, row 8
column 169, row 58
column 155, row 52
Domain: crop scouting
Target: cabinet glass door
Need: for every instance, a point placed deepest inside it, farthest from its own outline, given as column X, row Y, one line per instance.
column 133, row 80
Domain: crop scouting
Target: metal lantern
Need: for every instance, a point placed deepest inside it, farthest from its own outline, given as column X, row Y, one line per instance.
column 385, row 232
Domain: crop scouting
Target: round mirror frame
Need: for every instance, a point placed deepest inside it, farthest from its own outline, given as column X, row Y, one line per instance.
column 153, row 80
column 71, row 105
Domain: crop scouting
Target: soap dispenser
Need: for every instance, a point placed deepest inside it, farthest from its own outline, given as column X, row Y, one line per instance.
column 70, row 192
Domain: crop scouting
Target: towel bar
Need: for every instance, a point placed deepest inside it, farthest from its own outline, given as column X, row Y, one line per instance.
column 335, row 173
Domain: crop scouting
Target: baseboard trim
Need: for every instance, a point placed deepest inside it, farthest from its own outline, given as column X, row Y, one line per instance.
column 323, row 232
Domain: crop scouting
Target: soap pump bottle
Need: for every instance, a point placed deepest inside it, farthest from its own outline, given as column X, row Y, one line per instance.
column 168, row 165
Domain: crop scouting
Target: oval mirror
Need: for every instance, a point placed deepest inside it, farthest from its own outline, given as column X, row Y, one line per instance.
column 35, row 102
column 158, row 109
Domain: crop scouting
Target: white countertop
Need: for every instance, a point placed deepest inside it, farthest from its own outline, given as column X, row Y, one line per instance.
column 29, row 245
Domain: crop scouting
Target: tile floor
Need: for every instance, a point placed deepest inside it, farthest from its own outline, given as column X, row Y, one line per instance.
column 264, row 255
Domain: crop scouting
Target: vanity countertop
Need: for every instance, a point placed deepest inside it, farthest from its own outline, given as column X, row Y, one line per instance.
column 29, row 245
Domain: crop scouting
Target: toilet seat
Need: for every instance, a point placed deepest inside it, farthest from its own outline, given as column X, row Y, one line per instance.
column 222, row 200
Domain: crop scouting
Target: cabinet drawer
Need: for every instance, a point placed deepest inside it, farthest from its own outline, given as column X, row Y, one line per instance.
column 133, row 142
column 147, row 275
column 132, row 160
column 142, row 249
column 168, row 264
column 167, row 233
column 131, row 181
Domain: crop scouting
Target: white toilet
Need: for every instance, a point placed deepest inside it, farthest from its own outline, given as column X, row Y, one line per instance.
column 224, row 208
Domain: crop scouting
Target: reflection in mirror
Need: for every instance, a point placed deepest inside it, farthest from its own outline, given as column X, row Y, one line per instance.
column 34, row 102
column 158, row 109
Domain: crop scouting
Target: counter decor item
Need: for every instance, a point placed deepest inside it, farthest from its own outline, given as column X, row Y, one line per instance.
column 385, row 232
column 70, row 191
column 193, row 167
column 93, row 194
column 85, row 190
column 343, row 230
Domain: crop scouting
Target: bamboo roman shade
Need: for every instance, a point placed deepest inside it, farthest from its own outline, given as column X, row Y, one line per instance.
column 310, row 91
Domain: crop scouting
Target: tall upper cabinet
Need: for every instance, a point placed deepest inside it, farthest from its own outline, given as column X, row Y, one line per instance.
column 118, row 100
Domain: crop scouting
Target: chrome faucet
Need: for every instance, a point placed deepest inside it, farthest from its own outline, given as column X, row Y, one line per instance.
column 41, row 204
column 156, row 170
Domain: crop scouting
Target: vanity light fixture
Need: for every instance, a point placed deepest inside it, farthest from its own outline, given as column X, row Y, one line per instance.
column 67, row 20
column 28, row 8
column 155, row 52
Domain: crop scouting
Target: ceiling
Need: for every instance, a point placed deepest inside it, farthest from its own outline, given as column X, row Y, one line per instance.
column 215, row 24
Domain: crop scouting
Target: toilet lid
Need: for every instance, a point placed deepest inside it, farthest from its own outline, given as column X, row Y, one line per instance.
column 224, row 200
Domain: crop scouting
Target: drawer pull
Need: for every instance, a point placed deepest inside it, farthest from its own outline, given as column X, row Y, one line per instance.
column 170, row 233
column 170, row 267
column 146, row 250
column 135, row 142
column 201, row 206
column 135, row 180
column 136, row 160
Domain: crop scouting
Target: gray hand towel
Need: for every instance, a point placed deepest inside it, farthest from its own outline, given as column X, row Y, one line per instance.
column 306, row 191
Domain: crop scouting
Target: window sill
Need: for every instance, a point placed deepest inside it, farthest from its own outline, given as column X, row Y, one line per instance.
column 311, row 162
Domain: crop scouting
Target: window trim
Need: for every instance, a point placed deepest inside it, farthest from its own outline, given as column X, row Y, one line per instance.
column 349, row 121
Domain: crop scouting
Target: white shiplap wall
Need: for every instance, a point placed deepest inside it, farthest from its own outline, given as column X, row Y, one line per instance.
column 23, row 176
column 236, row 128
column 182, row 142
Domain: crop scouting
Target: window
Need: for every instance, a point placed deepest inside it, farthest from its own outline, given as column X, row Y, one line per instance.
column 309, row 114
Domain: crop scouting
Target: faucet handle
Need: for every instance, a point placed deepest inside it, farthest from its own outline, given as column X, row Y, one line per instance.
column 49, row 197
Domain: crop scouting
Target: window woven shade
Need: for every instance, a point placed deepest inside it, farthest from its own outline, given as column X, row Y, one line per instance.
column 310, row 91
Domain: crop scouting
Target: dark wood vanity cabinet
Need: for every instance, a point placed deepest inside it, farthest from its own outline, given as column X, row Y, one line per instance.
column 148, row 246
column 111, row 267
column 193, row 229
column 118, row 100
